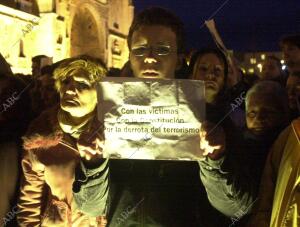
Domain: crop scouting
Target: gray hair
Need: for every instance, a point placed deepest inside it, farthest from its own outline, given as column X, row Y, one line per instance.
column 95, row 68
column 271, row 89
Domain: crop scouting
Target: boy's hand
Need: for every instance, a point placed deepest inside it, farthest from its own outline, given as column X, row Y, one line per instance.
column 212, row 140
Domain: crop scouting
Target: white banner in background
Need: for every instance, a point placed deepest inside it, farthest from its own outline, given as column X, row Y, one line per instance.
column 218, row 40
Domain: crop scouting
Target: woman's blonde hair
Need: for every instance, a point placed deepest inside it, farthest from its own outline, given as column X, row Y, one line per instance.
column 95, row 68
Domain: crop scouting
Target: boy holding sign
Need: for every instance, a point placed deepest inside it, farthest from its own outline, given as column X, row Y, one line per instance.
column 143, row 192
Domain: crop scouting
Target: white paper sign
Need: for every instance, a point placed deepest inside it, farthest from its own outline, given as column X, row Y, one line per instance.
column 151, row 118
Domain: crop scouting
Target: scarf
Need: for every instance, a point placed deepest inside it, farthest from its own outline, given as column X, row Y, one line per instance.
column 68, row 125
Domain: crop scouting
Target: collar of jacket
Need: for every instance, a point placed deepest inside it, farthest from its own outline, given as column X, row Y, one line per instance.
column 44, row 132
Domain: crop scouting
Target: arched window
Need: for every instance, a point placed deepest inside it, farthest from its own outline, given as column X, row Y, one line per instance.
column 21, row 49
column 59, row 39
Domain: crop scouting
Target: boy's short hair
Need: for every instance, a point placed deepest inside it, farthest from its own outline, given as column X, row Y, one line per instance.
column 159, row 16
column 95, row 68
column 291, row 39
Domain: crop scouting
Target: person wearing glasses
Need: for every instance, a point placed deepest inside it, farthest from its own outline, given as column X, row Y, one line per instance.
column 143, row 192
column 154, row 56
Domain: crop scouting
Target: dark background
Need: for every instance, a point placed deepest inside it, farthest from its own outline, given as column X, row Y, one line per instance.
column 244, row 25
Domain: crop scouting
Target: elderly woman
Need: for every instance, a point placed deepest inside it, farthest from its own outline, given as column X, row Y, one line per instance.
column 232, row 180
column 51, row 153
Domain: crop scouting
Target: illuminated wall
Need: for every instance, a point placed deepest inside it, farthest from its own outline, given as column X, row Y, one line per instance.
column 63, row 28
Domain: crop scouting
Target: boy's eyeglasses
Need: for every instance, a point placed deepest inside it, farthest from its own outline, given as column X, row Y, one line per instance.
column 159, row 50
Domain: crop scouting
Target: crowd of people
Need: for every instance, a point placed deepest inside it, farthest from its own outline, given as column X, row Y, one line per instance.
column 53, row 173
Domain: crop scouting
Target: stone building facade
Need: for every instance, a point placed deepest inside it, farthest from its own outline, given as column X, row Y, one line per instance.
column 64, row 28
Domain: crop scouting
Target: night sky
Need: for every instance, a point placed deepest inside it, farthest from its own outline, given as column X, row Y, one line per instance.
column 253, row 25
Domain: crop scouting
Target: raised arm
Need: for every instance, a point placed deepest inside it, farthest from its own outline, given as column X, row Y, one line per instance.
column 228, row 187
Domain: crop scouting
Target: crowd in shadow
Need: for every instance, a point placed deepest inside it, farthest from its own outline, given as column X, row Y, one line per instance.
column 53, row 174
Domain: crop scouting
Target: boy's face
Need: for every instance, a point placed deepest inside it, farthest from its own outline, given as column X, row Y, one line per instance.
column 153, row 52
column 263, row 114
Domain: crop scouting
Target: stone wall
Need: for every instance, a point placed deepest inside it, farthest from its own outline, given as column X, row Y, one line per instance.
column 64, row 28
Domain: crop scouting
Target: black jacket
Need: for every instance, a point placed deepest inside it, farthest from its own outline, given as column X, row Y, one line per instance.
column 232, row 182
